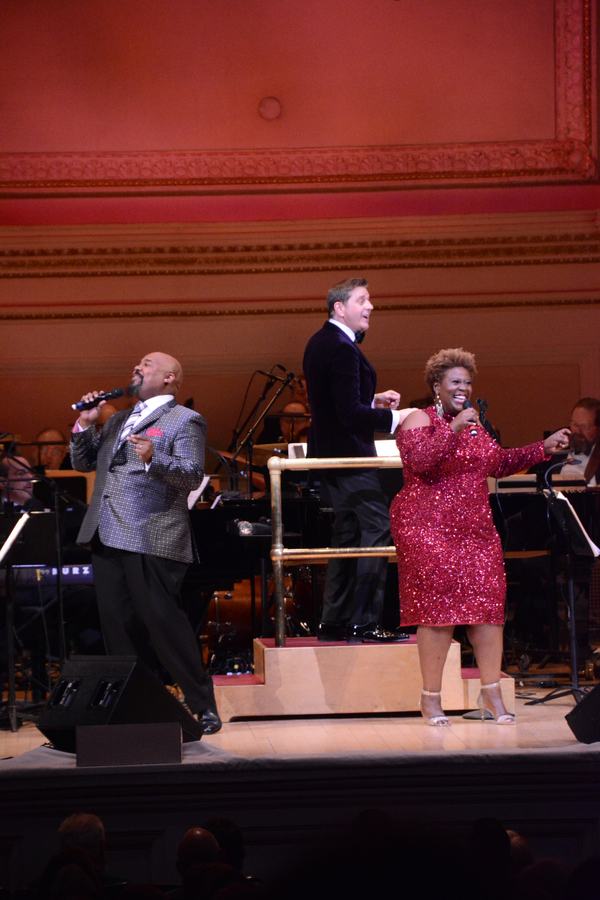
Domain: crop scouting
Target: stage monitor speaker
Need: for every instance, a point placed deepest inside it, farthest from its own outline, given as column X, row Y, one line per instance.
column 109, row 690
column 584, row 718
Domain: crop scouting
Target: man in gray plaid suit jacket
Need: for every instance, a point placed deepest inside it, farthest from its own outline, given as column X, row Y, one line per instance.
column 147, row 460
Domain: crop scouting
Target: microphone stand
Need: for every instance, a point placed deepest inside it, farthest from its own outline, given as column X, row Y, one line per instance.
column 483, row 408
column 271, row 379
column 247, row 441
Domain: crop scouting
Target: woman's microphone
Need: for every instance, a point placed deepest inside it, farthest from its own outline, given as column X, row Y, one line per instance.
column 468, row 405
column 90, row 404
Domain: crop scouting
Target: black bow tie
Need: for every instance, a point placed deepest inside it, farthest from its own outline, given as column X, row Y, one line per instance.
column 359, row 336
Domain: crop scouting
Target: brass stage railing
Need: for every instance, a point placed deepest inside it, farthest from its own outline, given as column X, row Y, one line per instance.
column 297, row 556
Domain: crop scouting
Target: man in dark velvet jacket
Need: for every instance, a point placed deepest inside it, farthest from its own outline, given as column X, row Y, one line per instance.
column 346, row 413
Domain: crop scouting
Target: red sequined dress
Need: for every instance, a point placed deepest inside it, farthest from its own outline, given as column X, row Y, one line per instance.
column 450, row 560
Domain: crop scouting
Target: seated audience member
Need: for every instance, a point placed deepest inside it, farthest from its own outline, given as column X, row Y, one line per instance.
column 545, row 879
column 521, row 854
column 69, row 874
column 584, row 444
column 230, row 839
column 85, row 830
column 207, row 880
column 140, row 891
column 197, row 848
column 55, row 453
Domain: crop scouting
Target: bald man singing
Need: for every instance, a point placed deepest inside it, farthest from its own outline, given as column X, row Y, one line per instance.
column 147, row 460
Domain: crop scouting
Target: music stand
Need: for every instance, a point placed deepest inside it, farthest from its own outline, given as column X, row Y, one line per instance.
column 31, row 536
column 578, row 544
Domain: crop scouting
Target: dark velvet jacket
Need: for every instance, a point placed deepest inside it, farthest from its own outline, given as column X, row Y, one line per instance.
column 341, row 385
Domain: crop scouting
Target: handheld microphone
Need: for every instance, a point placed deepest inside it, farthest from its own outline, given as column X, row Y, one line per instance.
column 468, row 405
column 90, row 404
column 289, row 374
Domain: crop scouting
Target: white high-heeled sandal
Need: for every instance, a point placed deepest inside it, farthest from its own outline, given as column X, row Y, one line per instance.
column 434, row 720
column 504, row 719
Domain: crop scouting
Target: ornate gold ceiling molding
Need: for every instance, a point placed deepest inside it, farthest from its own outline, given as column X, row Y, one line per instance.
column 570, row 157
column 281, row 309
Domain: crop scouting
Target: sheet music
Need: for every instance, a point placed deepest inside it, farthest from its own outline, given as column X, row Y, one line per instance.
column 194, row 495
column 14, row 534
column 595, row 550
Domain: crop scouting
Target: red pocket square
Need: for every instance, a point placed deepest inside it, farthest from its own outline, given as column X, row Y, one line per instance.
column 154, row 432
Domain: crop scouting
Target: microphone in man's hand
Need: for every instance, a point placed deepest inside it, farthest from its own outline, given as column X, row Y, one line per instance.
column 468, row 405
column 90, row 404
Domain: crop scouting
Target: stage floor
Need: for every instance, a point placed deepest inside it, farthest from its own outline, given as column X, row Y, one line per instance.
column 538, row 727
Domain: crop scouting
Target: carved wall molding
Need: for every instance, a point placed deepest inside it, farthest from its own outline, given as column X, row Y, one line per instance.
column 283, row 310
column 519, row 239
column 570, row 157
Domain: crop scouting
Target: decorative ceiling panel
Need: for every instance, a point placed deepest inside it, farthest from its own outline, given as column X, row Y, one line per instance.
column 570, row 156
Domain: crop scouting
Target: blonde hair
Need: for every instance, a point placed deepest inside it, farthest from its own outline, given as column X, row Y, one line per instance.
column 438, row 364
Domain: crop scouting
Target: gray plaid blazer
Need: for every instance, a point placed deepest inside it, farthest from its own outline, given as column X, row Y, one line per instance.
column 132, row 509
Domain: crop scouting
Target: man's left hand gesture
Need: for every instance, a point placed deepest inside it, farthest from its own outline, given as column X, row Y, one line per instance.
column 387, row 400
column 143, row 446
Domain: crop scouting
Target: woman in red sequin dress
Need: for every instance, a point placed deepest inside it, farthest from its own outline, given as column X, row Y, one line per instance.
column 450, row 560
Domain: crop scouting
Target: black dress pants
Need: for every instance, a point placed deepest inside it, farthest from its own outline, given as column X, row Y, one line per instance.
column 355, row 588
column 139, row 613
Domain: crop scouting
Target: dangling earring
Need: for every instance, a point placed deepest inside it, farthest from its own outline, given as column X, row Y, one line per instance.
column 438, row 406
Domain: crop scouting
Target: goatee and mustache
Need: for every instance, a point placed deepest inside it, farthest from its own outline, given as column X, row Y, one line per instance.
column 133, row 389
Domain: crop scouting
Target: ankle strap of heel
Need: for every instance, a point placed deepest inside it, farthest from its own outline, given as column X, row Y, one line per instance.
column 495, row 684
column 431, row 693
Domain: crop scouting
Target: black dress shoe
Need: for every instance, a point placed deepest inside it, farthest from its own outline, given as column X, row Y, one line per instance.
column 209, row 721
column 330, row 632
column 372, row 634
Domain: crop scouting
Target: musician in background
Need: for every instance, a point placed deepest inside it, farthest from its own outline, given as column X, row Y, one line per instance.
column 584, row 444
column 54, row 449
column 272, row 432
column 294, row 423
column 15, row 483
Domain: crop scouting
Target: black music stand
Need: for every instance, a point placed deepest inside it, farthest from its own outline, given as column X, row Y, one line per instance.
column 578, row 544
column 30, row 538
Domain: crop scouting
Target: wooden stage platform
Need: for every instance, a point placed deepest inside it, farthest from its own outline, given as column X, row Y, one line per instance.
column 309, row 677
column 291, row 783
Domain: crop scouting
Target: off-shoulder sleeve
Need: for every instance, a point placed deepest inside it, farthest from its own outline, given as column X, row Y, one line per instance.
column 512, row 461
column 422, row 449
